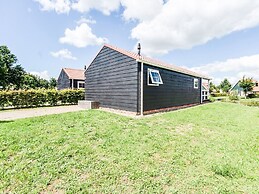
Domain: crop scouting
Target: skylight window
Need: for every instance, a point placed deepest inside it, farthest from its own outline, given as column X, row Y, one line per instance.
column 154, row 77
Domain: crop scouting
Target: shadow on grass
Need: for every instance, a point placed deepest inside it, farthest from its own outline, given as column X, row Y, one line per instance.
column 5, row 121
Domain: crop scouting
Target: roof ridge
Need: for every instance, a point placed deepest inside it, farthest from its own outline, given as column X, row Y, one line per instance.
column 155, row 62
column 123, row 51
column 72, row 68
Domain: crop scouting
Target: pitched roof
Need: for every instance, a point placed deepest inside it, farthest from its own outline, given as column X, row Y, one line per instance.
column 155, row 62
column 206, row 86
column 75, row 73
column 255, row 88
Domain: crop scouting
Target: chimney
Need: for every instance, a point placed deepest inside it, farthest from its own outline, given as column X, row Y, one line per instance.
column 139, row 49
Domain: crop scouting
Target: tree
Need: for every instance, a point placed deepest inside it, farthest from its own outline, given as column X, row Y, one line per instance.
column 10, row 72
column 52, row 83
column 247, row 84
column 213, row 88
column 43, row 83
column 34, row 82
column 16, row 74
column 225, row 85
column 29, row 81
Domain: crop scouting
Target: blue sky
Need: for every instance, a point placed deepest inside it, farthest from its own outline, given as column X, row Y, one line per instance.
column 218, row 38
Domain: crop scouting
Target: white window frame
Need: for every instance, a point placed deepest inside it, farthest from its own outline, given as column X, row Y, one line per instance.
column 80, row 82
column 194, row 83
column 149, row 75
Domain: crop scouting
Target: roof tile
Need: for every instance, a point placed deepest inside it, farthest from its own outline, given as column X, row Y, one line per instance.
column 75, row 73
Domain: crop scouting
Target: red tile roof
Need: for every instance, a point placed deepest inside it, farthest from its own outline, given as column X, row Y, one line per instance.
column 205, row 85
column 75, row 73
column 155, row 62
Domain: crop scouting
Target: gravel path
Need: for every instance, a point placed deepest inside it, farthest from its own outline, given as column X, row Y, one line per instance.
column 34, row 112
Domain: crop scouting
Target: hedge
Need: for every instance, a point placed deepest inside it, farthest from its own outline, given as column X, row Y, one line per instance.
column 218, row 94
column 40, row 97
column 250, row 103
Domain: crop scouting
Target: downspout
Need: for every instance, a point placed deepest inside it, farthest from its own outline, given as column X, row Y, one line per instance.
column 72, row 83
column 141, row 93
column 201, row 89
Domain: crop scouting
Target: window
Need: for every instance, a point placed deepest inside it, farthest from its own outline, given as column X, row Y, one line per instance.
column 80, row 84
column 204, row 95
column 154, row 78
column 256, row 84
column 196, row 83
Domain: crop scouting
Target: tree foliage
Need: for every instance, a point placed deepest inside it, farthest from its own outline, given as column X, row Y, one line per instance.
column 225, row 85
column 213, row 88
column 53, row 82
column 247, row 84
column 11, row 73
column 13, row 76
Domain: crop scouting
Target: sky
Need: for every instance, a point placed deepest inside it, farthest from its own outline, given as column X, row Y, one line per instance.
column 218, row 38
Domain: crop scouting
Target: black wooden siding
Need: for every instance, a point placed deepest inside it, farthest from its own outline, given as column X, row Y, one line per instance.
column 177, row 90
column 75, row 82
column 63, row 81
column 112, row 80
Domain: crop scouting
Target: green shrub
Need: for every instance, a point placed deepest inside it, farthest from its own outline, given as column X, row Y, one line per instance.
column 211, row 99
column 3, row 99
column 52, row 97
column 71, row 96
column 251, row 96
column 40, row 97
column 218, row 94
column 251, row 103
column 233, row 96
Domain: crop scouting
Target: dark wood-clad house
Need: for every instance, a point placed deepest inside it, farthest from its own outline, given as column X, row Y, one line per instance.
column 124, row 80
column 71, row 79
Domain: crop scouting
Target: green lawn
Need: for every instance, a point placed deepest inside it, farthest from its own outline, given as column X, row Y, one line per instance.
column 212, row 148
column 250, row 99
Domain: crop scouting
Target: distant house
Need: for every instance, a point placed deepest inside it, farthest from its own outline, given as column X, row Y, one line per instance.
column 205, row 90
column 71, row 79
column 240, row 92
column 124, row 80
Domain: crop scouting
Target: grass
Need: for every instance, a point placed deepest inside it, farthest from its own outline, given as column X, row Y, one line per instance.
column 212, row 148
column 250, row 99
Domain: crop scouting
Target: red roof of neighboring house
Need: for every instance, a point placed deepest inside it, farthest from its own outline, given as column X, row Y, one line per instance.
column 155, row 62
column 75, row 73
column 206, row 86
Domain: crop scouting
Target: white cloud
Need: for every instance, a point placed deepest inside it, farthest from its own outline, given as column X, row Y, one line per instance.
column 43, row 74
column 233, row 69
column 165, row 25
column 85, row 20
column 81, row 36
column 182, row 24
column 141, row 10
column 60, row 6
column 104, row 6
column 63, row 54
